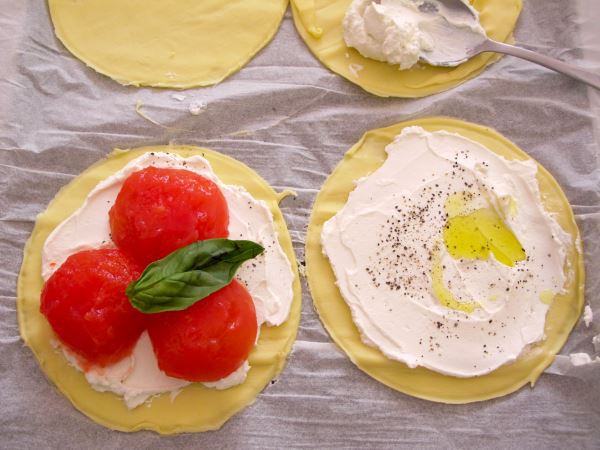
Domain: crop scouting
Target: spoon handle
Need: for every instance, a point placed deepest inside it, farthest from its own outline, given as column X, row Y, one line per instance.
column 593, row 79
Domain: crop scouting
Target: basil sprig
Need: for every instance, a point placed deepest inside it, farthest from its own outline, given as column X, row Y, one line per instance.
column 189, row 274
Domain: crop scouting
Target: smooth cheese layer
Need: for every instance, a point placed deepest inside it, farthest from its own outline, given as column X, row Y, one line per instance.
column 446, row 256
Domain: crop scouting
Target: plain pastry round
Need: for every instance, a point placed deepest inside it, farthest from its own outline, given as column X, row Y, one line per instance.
column 362, row 159
column 166, row 43
column 196, row 408
column 320, row 25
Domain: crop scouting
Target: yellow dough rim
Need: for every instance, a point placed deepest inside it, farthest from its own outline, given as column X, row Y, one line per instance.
column 227, row 43
column 319, row 23
column 365, row 157
column 196, row 408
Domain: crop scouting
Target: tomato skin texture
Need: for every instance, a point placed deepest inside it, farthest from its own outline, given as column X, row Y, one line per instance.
column 84, row 300
column 159, row 210
column 210, row 339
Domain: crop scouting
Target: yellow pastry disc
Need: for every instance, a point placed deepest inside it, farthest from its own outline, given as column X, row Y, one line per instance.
column 319, row 22
column 362, row 159
column 196, row 408
column 166, row 43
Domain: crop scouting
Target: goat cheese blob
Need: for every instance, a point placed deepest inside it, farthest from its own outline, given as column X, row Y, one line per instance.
column 402, row 31
column 268, row 277
column 446, row 255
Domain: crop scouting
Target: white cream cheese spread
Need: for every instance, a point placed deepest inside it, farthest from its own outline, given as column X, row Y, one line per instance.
column 401, row 31
column 446, row 256
column 268, row 277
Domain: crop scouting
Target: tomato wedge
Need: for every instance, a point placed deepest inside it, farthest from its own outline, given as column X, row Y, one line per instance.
column 210, row 339
column 86, row 305
column 160, row 210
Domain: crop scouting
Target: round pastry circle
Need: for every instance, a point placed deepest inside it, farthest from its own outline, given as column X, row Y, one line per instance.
column 196, row 408
column 363, row 158
column 320, row 26
column 175, row 44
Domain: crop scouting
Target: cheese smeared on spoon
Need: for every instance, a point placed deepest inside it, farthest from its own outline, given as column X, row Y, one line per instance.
column 404, row 31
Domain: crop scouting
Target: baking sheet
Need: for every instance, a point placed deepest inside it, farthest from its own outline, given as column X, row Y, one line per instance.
column 291, row 120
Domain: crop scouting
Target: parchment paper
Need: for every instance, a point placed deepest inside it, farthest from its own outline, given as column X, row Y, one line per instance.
column 291, row 119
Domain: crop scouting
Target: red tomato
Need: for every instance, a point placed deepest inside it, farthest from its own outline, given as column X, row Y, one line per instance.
column 158, row 211
column 86, row 305
column 210, row 339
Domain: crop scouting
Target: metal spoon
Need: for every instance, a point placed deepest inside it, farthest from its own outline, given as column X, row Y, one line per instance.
column 479, row 43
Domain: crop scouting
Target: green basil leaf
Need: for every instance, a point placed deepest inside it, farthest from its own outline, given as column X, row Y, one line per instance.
column 189, row 274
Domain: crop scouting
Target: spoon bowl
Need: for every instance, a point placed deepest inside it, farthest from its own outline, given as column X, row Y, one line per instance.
column 454, row 27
